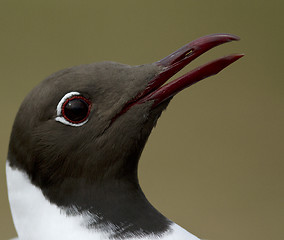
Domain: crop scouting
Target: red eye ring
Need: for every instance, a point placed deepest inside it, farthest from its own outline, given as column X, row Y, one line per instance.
column 86, row 113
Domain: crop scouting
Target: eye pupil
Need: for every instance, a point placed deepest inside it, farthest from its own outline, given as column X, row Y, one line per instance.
column 76, row 109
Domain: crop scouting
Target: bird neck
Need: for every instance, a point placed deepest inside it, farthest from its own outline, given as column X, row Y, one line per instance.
column 119, row 212
column 119, row 202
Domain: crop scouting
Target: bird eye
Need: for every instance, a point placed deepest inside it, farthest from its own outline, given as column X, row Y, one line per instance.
column 76, row 109
column 73, row 109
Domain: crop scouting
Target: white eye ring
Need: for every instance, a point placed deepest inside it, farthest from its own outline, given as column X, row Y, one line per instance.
column 60, row 118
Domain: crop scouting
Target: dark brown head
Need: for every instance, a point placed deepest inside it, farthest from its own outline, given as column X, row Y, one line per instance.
column 65, row 129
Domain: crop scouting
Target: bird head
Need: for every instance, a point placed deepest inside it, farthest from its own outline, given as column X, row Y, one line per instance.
column 92, row 121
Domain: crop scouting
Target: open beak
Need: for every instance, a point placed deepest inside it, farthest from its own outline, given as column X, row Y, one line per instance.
column 178, row 60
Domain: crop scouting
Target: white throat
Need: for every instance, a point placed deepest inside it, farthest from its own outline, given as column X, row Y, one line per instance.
column 36, row 218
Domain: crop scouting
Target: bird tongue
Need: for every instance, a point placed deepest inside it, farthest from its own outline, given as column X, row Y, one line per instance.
column 177, row 61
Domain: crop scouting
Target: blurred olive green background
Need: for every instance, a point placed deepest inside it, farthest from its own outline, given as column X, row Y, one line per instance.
column 215, row 162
